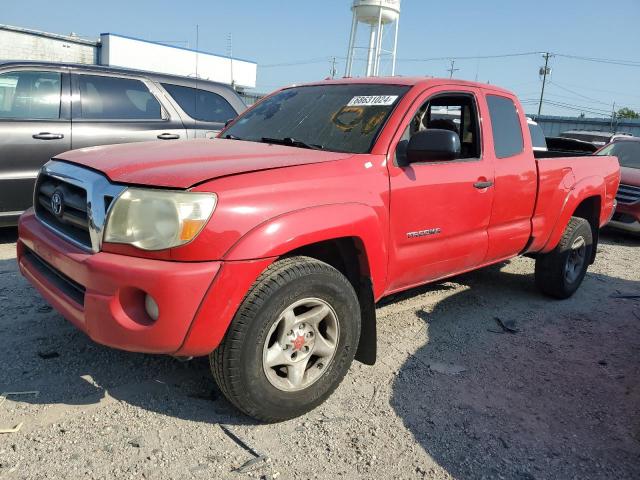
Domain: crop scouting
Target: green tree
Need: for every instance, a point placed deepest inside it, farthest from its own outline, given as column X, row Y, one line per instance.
column 627, row 113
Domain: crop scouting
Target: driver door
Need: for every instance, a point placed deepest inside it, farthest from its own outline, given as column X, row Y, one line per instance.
column 440, row 210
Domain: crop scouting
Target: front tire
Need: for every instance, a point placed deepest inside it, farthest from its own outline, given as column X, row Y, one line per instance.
column 291, row 342
column 560, row 272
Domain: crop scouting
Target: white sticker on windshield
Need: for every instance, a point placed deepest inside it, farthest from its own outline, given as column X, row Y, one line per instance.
column 372, row 100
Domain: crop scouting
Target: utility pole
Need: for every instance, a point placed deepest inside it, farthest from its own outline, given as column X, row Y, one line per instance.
column 613, row 115
column 230, row 53
column 333, row 67
column 451, row 69
column 544, row 71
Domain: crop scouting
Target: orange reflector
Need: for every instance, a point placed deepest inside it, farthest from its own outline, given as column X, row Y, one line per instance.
column 190, row 229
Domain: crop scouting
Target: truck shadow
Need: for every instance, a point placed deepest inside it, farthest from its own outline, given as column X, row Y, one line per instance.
column 528, row 402
column 40, row 350
column 557, row 397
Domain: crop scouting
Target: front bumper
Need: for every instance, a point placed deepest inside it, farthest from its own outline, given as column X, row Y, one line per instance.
column 103, row 293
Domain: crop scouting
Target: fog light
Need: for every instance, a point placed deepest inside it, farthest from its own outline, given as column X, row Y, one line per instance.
column 151, row 307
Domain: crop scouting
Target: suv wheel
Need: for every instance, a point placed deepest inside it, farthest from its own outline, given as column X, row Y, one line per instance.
column 560, row 272
column 291, row 342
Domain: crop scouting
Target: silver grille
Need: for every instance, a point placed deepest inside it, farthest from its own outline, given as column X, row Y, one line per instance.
column 74, row 202
column 628, row 194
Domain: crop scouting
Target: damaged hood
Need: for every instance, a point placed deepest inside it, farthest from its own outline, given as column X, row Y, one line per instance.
column 182, row 164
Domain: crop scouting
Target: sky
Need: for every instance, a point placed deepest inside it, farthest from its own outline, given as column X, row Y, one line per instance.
column 295, row 42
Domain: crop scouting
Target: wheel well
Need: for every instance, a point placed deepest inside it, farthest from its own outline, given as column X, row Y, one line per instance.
column 589, row 209
column 348, row 256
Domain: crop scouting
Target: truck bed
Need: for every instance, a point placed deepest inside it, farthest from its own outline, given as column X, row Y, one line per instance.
column 558, row 180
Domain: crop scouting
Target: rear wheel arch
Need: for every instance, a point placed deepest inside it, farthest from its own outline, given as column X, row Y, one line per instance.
column 583, row 201
column 590, row 209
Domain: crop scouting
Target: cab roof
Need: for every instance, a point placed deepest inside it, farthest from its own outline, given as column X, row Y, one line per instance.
column 425, row 82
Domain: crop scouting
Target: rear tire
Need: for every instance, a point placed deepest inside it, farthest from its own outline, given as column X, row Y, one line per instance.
column 291, row 342
column 560, row 272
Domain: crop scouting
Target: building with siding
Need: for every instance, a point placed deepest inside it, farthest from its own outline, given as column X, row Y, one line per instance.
column 110, row 49
column 553, row 126
column 24, row 44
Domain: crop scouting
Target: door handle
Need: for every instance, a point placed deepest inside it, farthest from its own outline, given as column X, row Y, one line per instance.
column 48, row 136
column 481, row 185
column 168, row 136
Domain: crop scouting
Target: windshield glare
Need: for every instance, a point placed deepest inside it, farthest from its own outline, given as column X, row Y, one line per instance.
column 628, row 153
column 340, row 118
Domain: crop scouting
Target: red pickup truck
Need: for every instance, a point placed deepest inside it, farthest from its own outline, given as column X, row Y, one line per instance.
column 267, row 248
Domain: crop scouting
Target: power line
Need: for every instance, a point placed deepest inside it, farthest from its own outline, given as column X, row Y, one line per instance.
column 476, row 57
column 578, row 108
column 299, row 62
column 611, row 61
column 577, row 94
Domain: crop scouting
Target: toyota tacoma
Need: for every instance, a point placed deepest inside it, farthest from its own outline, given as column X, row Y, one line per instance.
column 267, row 247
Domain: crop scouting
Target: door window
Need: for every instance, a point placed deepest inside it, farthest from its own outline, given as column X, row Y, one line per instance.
column 201, row 104
column 458, row 113
column 109, row 98
column 505, row 124
column 26, row 95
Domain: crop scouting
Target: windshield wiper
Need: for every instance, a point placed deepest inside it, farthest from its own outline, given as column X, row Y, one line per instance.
column 230, row 136
column 292, row 142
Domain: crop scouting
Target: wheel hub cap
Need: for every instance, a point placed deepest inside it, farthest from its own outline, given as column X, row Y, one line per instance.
column 300, row 344
column 575, row 260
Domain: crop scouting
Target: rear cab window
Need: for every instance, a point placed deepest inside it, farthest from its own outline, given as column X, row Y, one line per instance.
column 30, row 95
column 110, row 98
column 538, row 141
column 201, row 104
column 505, row 126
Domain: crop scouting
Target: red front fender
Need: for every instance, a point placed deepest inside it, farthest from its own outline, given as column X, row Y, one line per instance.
column 300, row 228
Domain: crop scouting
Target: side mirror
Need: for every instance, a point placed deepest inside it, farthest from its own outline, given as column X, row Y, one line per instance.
column 433, row 145
column 228, row 122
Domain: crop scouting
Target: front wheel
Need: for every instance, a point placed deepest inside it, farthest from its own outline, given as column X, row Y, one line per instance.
column 291, row 342
column 560, row 272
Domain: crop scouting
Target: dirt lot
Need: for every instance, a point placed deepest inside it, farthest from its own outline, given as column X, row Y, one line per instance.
column 452, row 394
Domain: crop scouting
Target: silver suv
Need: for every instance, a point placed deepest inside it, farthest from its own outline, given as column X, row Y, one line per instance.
column 48, row 108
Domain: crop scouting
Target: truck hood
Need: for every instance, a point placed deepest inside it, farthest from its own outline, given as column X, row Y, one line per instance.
column 182, row 164
column 630, row 176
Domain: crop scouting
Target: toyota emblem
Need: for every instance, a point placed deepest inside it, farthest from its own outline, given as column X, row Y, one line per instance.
column 56, row 203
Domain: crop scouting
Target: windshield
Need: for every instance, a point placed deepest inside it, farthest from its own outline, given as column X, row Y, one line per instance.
column 628, row 153
column 340, row 118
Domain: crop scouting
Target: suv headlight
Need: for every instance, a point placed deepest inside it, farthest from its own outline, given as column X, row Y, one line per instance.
column 158, row 219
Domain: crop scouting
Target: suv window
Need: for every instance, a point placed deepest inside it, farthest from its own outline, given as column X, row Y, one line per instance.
column 505, row 123
column 201, row 104
column 30, row 95
column 457, row 113
column 108, row 98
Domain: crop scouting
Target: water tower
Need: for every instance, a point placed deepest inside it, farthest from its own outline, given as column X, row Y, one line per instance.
column 377, row 14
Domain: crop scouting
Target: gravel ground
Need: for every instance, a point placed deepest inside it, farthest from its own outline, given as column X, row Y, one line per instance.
column 452, row 396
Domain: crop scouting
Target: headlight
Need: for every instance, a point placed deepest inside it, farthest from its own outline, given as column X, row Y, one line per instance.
column 158, row 219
